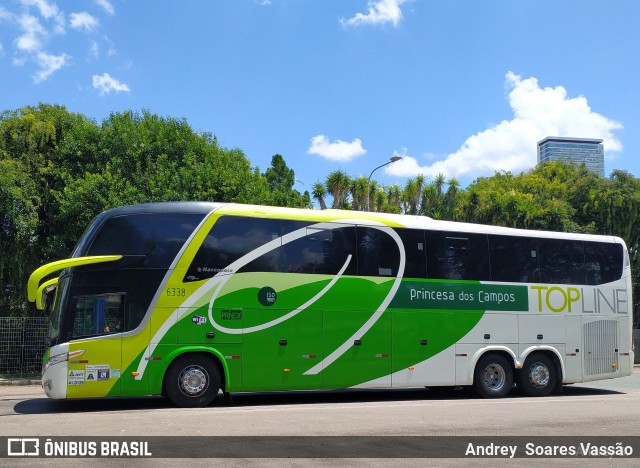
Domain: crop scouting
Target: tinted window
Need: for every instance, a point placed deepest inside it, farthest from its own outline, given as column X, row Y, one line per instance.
column 415, row 251
column 514, row 259
column 603, row 262
column 97, row 315
column 457, row 255
column 231, row 238
column 378, row 253
column 561, row 261
column 321, row 251
column 157, row 236
column 138, row 287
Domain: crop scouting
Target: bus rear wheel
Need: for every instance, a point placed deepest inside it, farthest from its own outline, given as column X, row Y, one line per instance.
column 192, row 381
column 493, row 376
column 538, row 375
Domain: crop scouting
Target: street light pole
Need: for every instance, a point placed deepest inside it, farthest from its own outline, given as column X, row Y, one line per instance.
column 392, row 159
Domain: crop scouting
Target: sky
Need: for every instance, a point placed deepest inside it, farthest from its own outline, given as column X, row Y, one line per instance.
column 464, row 88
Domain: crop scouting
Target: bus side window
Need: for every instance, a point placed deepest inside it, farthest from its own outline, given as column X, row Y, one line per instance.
column 97, row 315
column 561, row 261
column 320, row 251
column 231, row 238
column 514, row 259
column 603, row 262
column 458, row 255
column 378, row 253
column 415, row 253
column 157, row 237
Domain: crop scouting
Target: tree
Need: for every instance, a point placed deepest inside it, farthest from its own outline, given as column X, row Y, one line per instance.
column 281, row 179
column 319, row 191
column 337, row 184
column 18, row 224
column 58, row 170
column 359, row 191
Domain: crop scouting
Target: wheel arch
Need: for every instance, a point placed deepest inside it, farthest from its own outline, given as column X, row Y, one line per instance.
column 504, row 351
column 548, row 351
column 216, row 357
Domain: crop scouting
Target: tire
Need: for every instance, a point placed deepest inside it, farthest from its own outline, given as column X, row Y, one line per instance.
column 538, row 377
column 192, row 381
column 493, row 376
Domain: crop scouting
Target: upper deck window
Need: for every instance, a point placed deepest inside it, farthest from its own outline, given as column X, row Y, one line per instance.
column 157, row 236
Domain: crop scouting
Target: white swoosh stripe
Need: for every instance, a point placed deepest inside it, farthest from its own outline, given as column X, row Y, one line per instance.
column 331, row 358
column 219, row 280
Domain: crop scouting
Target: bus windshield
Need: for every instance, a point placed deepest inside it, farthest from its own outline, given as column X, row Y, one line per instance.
column 99, row 299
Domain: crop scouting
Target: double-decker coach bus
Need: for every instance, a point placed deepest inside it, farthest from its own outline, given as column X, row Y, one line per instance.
column 186, row 299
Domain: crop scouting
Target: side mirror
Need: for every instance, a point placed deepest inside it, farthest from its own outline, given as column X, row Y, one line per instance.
column 45, row 292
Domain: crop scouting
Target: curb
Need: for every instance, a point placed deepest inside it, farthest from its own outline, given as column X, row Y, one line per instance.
column 26, row 381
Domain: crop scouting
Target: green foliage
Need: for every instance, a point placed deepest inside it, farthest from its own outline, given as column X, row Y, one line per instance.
column 338, row 184
column 58, row 170
column 281, row 179
column 18, row 223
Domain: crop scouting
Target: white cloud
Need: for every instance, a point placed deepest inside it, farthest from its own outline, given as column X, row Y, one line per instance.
column 48, row 11
column 83, row 20
column 5, row 15
column 380, row 12
column 106, row 6
column 336, row 151
column 106, row 84
column 94, row 49
column 31, row 39
column 48, row 64
column 511, row 145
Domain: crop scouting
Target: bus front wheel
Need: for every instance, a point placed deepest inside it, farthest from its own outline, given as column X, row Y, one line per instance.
column 192, row 381
column 493, row 376
column 538, row 375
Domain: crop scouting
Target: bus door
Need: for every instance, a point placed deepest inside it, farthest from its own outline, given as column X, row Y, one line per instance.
column 135, row 349
column 275, row 357
column 574, row 350
column 95, row 346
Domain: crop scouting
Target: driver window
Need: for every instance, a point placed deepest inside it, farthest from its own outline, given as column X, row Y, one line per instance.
column 97, row 315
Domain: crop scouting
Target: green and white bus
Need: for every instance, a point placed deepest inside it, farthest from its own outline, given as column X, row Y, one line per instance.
column 186, row 299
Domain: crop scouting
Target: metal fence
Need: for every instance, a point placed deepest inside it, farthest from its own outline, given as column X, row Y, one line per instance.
column 22, row 344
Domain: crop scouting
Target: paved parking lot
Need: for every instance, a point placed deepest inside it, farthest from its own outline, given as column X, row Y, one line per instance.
column 605, row 408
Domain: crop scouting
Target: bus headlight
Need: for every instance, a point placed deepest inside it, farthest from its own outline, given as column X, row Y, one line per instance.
column 58, row 358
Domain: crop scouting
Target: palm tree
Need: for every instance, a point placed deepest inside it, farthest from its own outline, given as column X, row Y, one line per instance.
column 359, row 193
column 374, row 203
column 429, row 203
column 380, row 199
column 338, row 183
column 450, row 198
column 439, row 181
column 394, row 194
column 411, row 196
column 319, row 192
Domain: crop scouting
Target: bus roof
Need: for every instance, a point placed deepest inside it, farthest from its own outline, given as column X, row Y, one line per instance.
column 356, row 217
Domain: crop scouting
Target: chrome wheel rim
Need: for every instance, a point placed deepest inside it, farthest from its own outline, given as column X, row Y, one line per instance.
column 494, row 376
column 193, row 381
column 539, row 375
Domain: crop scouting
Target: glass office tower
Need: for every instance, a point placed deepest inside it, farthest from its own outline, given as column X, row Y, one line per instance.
column 580, row 150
